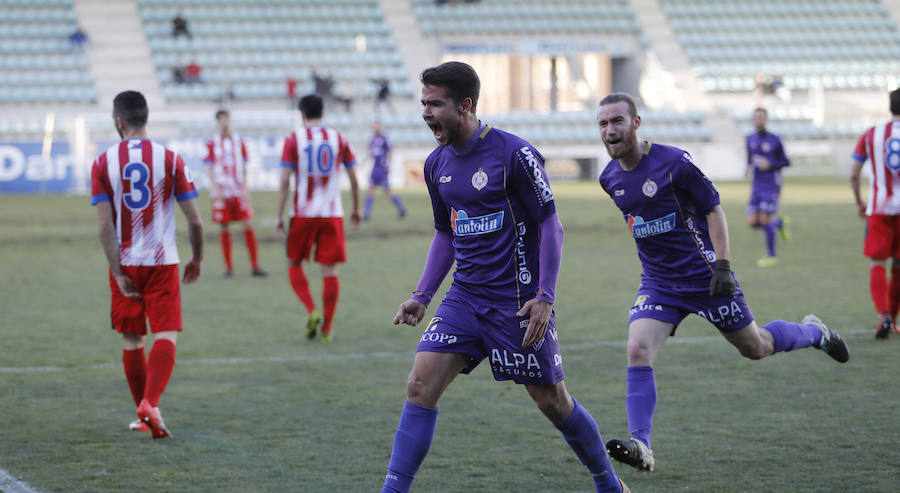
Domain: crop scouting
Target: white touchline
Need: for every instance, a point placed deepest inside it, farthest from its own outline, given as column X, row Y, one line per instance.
column 351, row 356
column 9, row 484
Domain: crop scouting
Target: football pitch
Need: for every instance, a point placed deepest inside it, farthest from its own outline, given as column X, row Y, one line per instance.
column 255, row 407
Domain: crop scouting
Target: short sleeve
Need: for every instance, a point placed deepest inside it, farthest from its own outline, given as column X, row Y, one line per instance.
column 688, row 178
column 438, row 207
column 861, row 153
column 184, row 182
column 529, row 181
column 289, row 153
column 100, row 189
column 210, row 153
column 347, row 156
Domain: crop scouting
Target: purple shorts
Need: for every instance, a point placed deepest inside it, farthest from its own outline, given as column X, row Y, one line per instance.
column 763, row 201
column 727, row 313
column 479, row 332
column 379, row 177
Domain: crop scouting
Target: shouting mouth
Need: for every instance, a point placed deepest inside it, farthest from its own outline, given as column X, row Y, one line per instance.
column 438, row 130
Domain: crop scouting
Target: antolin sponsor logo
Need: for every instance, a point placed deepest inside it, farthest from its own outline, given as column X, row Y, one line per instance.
column 539, row 180
column 642, row 229
column 464, row 225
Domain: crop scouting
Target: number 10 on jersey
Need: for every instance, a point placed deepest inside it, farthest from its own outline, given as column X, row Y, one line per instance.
column 324, row 159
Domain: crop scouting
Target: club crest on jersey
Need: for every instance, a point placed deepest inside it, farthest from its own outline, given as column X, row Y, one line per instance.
column 479, row 179
column 766, row 147
column 642, row 229
column 463, row 225
column 620, row 192
column 445, row 179
column 649, row 188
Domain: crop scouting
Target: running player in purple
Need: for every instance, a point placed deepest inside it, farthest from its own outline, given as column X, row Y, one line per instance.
column 672, row 210
column 765, row 158
column 495, row 217
column 380, row 150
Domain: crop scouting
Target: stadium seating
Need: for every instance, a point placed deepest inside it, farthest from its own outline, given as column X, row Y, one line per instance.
column 524, row 17
column 830, row 43
column 39, row 64
column 255, row 48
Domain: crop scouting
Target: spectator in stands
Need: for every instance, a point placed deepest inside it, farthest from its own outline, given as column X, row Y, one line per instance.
column 180, row 26
column 383, row 95
column 226, row 99
column 178, row 72
column 292, row 92
column 192, row 73
column 78, row 39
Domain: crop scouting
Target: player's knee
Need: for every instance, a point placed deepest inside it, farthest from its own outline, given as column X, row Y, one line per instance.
column 638, row 353
column 418, row 392
column 754, row 351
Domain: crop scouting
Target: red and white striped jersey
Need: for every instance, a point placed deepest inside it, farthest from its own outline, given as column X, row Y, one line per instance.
column 881, row 146
column 227, row 156
column 316, row 154
column 140, row 178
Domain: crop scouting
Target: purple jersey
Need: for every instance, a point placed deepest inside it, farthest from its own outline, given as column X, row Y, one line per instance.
column 766, row 145
column 665, row 200
column 379, row 147
column 491, row 194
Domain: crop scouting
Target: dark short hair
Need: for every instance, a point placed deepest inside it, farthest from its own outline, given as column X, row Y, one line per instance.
column 760, row 108
column 460, row 80
column 895, row 102
column 131, row 107
column 618, row 97
column 222, row 112
column 311, row 106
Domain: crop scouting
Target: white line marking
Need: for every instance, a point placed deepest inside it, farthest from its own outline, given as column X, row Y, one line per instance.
column 9, row 484
column 349, row 356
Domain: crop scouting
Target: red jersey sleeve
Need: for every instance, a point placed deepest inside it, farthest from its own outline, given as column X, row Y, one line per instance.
column 184, row 182
column 289, row 154
column 347, row 156
column 210, row 153
column 862, row 146
column 244, row 151
column 100, row 189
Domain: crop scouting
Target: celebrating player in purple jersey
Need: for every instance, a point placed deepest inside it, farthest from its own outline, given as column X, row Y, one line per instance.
column 494, row 215
column 672, row 210
column 765, row 158
column 380, row 150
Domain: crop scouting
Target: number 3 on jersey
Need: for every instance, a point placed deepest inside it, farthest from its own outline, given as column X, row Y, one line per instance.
column 139, row 196
column 324, row 159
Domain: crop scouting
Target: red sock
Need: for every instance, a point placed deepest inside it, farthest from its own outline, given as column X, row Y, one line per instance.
column 225, row 238
column 301, row 287
column 331, row 287
column 878, row 286
column 894, row 293
column 250, row 240
column 135, row 364
column 160, row 363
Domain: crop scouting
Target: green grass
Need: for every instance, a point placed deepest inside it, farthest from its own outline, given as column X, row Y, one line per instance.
column 294, row 415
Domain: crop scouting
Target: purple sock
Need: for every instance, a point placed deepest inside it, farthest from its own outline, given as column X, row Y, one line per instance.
column 581, row 432
column 640, row 401
column 411, row 444
column 399, row 204
column 789, row 335
column 770, row 238
column 776, row 223
column 367, row 210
